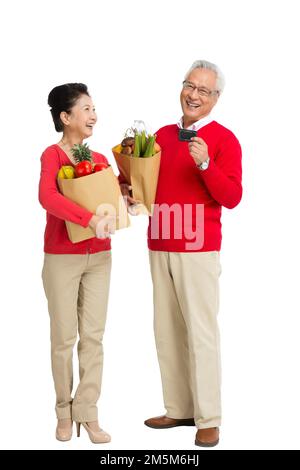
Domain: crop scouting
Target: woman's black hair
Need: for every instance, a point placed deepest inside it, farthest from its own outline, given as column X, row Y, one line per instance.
column 63, row 98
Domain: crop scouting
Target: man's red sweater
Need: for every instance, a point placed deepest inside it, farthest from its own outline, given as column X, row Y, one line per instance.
column 59, row 208
column 182, row 183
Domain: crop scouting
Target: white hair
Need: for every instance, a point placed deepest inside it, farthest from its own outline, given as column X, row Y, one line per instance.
column 204, row 64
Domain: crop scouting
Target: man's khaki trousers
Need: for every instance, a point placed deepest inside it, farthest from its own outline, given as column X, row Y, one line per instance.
column 77, row 288
column 186, row 302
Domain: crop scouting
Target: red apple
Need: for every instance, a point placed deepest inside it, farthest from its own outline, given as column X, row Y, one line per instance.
column 100, row 166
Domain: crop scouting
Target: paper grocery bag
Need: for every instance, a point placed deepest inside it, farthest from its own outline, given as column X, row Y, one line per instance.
column 142, row 174
column 99, row 193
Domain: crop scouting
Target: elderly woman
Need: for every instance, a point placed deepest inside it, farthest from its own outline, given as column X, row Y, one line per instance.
column 76, row 276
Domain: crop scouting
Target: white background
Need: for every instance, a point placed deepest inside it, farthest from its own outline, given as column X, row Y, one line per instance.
column 133, row 56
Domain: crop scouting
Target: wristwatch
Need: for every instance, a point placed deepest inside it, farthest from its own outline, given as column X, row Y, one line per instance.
column 204, row 165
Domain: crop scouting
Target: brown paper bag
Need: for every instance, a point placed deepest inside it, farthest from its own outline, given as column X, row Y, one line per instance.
column 99, row 193
column 142, row 174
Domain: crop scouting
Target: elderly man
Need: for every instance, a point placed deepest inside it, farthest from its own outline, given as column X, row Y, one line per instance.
column 196, row 179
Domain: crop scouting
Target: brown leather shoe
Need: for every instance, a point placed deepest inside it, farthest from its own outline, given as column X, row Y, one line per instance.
column 163, row 422
column 207, row 437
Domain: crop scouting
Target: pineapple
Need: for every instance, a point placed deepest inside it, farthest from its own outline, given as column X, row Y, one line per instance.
column 84, row 160
column 82, row 152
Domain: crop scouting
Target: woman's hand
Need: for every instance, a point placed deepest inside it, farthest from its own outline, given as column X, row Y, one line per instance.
column 93, row 222
column 103, row 225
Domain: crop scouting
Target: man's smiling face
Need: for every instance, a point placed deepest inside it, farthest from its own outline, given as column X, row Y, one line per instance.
column 198, row 102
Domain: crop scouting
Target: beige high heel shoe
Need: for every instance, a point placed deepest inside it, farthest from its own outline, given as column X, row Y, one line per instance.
column 63, row 433
column 96, row 437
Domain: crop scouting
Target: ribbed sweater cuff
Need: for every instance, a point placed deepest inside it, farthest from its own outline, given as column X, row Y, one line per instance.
column 84, row 222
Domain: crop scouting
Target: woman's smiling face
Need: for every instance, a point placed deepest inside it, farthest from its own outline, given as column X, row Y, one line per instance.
column 81, row 118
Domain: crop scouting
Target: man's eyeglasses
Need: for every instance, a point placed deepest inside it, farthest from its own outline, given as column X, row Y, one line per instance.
column 200, row 90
